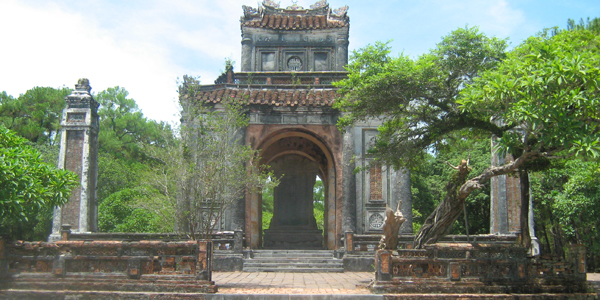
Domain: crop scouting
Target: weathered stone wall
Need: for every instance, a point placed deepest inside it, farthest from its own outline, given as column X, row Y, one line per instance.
column 106, row 265
column 376, row 186
column 478, row 268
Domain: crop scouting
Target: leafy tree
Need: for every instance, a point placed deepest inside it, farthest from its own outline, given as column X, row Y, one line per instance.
column 429, row 179
column 125, row 169
column 123, row 127
column 416, row 99
column 122, row 212
column 28, row 186
column 267, row 206
column 540, row 101
column 34, row 115
column 214, row 167
column 567, row 203
column 319, row 203
column 592, row 25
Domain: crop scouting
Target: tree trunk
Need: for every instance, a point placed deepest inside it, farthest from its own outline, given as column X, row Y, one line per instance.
column 442, row 218
column 457, row 190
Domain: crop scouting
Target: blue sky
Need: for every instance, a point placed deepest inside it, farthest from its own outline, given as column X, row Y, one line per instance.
column 144, row 45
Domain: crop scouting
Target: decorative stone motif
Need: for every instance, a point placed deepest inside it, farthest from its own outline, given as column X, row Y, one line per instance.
column 271, row 3
column 294, row 63
column 341, row 11
column 376, row 221
column 320, row 4
column 376, row 184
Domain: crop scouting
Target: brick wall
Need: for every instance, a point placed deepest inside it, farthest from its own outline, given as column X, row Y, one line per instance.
column 73, row 163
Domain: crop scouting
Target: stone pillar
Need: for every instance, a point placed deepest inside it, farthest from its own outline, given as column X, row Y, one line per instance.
column 79, row 154
column 401, row 192
column 348, row 182
column 246, row 65
column 341, row 52
column 505, row 194
column 535, row 243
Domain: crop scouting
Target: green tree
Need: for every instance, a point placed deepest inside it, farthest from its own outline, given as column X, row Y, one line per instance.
column 567, row 203
column 214, row 167
column 122, row 212
column 125, row 168
column 123, row 127
column 34, row 115
column 540, row 101
column 28, row 186
column 429, row 179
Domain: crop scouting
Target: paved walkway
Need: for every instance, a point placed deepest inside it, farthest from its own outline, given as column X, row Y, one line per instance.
column 308, row 283
column 293, row 283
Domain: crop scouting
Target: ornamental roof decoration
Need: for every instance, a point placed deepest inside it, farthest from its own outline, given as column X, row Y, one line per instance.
column 274, row 97
column 295, row 17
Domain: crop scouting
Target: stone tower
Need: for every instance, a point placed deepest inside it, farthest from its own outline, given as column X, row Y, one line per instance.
column 79, row 154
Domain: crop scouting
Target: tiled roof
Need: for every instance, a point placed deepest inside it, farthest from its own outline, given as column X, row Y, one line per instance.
column 275, row 97
column 294, row 22
column 271, row 16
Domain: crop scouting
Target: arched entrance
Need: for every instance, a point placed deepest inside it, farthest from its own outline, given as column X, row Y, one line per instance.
column 300, row 156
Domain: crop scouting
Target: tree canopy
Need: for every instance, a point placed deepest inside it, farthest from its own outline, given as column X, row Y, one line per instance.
column 28, row 186
column 416, row 98
column 540, row 100
column 34, row 115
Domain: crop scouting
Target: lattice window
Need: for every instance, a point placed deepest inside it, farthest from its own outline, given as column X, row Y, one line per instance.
column 376, row 184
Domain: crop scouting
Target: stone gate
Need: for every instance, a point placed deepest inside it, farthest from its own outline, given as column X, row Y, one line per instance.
column 290, row 58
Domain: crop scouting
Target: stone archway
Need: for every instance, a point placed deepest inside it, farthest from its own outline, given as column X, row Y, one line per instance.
column 300, row 155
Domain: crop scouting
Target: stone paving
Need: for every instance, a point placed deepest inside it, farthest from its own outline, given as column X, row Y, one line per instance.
column 348, row 283
column 293, row 283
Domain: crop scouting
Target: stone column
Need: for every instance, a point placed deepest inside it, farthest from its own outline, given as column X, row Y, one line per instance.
column 348, row 182
column 246, row 65
column 401, row 192
column 341, row 52
column 79, row 154
column 505, row 194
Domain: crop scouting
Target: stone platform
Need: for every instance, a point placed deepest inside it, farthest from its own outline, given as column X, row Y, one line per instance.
column 275, row 286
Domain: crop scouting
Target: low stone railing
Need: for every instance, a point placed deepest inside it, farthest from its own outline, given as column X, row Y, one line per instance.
column 107, row 265
column 355, row 243
column 225, row 240
column 477, row 268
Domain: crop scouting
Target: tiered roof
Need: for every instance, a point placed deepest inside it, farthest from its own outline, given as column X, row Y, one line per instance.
column 294, row 17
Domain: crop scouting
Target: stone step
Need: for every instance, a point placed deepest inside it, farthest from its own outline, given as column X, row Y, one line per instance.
column 294, row 260
column 293, row 265
column 292, row 253
column 294, row 270
column 61, row 295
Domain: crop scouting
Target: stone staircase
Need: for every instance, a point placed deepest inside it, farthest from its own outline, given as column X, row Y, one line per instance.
column 300, row 261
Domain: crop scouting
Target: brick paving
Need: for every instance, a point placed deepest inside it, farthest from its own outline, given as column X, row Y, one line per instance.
column 293, row 283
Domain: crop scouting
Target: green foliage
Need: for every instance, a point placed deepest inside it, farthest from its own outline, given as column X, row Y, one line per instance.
column 567, row 204
column 34, row 115
column 121, row 212
column 267, row 206
column 212, row 165
column 416, row 99
column 28, row 186
column 129, row 199
column 591, row 25
column 123, row 127
column 548, row 89
column 429, row 179
column 319, row 203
